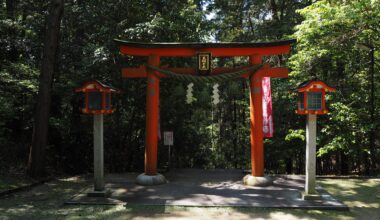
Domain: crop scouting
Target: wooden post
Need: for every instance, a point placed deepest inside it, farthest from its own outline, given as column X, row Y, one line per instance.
column 98, row 153
column 256, row 121
column 152, row 111
column 311, row 134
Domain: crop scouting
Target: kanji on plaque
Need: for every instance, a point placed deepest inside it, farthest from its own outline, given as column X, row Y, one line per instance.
column 204, row 63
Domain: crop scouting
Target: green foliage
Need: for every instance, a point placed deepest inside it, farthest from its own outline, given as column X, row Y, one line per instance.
column 18, row 81
column 295, row 134
column 174, row 22
column 255, row 20
column 205, row 135
column 327, row 48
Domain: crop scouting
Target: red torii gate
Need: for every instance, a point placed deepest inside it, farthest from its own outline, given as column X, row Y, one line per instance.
column 255, row 52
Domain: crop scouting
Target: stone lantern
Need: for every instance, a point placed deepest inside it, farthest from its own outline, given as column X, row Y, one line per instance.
column 311, row 102
column 97, row 101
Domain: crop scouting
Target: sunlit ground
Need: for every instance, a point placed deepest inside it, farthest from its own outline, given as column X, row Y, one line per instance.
column 46, row 202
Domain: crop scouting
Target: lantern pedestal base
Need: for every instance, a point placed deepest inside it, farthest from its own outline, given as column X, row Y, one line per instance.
column 147, row 180
column 306, row 196
column 257, row 180
column 102, row 193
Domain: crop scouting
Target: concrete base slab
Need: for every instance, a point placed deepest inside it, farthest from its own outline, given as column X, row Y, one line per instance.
column 146, row 180
column 257, row 180
column 103, row 193
column 91, row 197
column 209, row 188
column 306, row 196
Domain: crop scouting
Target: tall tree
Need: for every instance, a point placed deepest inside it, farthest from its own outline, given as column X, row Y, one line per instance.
column 39, row 140
column 328, row 48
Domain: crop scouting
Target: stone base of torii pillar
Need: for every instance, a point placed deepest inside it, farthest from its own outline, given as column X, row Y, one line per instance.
column 147, row 180
column 257, row 180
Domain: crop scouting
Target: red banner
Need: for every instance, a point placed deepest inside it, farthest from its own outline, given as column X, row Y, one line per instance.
column 267, row 108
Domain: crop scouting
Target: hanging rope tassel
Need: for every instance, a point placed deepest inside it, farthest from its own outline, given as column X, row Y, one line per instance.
column 189, row 93
column 207, row 79
column 215, row 94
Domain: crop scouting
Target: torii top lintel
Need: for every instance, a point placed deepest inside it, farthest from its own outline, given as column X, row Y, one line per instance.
column 216, row 49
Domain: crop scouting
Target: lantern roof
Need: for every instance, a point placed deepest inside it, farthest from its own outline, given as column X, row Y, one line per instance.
column 314, row 84
column 96, row 85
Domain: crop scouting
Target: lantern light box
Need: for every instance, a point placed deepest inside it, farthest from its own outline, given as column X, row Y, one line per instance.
column 97, row 97
column 311, row 97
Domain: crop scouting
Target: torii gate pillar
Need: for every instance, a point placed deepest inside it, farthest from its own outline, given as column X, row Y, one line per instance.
column 150, row 176
column 256, row 178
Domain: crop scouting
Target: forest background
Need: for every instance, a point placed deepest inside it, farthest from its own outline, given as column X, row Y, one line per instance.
column 330, row 37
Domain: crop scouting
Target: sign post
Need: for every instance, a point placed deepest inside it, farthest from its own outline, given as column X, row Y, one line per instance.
column 168, row 141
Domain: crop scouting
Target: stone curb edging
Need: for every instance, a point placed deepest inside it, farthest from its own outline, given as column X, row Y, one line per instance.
column 24, row 188
column 348, row 177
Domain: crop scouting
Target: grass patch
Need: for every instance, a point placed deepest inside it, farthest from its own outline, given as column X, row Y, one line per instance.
column 11, row 182
column 361, row 195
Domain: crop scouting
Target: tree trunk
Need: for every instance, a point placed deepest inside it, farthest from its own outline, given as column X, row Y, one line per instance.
column 235, row 129
column 372, row 137
column 289, row 165
column 36, row 166
column 10, row 5
column 274, row 8
column 13, row 53
column 367, row 164
column 343, row 163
